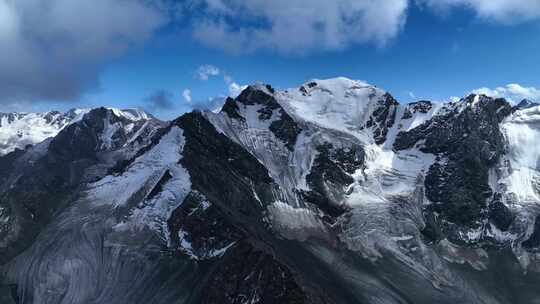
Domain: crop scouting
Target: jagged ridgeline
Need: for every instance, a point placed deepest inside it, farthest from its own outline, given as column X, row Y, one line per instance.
column 332, row 192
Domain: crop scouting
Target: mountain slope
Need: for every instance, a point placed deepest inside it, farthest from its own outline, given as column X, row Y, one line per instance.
column 332, row 192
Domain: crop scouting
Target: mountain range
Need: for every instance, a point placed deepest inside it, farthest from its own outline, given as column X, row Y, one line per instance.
column 332, row 192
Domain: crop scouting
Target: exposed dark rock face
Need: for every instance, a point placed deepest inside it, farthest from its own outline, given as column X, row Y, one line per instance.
column 9, row 116
column 7, row 164
column 8, row 294
column 526, row 104
column 68, row 146
column 254, row 95
column 231, row 109
column 383, row 118
column 247, row 275
column 432, row 231
column 478, row 122
column 469, row 143
column 499, row 214
column 227, row 209
column 329, row 176
column 422, row 106
column 241, row 176
column 533, row 243
column 284, row 127
column 203, row 226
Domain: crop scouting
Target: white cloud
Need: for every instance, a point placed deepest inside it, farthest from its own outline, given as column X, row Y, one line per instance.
column 204, row 72
column 227, row 78
column 297, row 26
column 505, row 11
column 187, row 95
column 512, row 92
column 53, row 49
column 235, row 89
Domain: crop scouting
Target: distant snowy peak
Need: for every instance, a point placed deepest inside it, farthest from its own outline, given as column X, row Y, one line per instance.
column 18, row 130
column 526, row 103
column 115, row 128
column 132, row 114
column 340, row 104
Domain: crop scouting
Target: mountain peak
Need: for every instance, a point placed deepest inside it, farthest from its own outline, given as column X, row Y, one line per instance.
column 133, row 114
column 527, row 103
column 18, row 130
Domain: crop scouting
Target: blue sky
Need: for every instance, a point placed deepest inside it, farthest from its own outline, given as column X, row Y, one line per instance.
column 415, row 50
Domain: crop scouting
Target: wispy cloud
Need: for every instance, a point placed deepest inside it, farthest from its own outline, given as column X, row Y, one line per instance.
column 235, row 89
column 505, row 11
column 204, row 72
column 187, row 96
column 512, row 92
column 160, row 100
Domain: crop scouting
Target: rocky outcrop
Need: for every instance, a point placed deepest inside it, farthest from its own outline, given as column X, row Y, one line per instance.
column 282, row 125
column 422, row 106
column 468, row 142
column 247, row 275
column 383, row 118
column 330, row 175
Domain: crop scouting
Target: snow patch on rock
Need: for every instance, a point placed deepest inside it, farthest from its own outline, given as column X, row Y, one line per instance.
column 143, row 176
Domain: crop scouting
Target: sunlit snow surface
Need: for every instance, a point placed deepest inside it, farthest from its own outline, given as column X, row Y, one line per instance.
column 340, row 104
column 522, row 131
column 29, row 128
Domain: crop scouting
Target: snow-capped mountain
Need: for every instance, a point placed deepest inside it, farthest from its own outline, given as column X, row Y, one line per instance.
column 332, row 192
column 18, row 130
